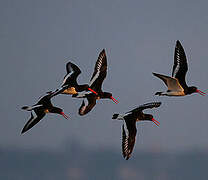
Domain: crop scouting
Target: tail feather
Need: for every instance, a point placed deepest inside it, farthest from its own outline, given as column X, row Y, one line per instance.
column 27, row 108
column 115, row 116
column 118, row 116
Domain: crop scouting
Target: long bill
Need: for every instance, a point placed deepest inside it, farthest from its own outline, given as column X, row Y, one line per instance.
column 157, row 123
column 64, row 115
column 92, row 91
column 201, row 92
column 114, row 100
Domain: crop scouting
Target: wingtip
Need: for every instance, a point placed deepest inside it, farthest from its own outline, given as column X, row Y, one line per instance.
column 127, row 158
column 178, row 43
column 155, row 74
column 23, row 131
column 103, row 52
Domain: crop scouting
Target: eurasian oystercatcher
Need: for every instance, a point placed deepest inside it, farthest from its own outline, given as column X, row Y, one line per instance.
column 69, row 84
column 176, row 84
column 129, row 126
column 100, row 72
column 39, row 110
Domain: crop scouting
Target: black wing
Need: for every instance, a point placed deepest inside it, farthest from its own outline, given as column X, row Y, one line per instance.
column 46, row 99
column 100, row 72
column 147, row 106
column 87, row 105
column 34, row 119
column 72, row 73
column 128, row 137
column 180, row 66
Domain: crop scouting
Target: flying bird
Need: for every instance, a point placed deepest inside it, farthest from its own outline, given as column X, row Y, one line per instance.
column 39, row 110
column 100, row 72
column 69, row 84
column 177, row 84
column 129, row 129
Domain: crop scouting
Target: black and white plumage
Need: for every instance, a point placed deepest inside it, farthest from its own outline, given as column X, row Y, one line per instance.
column 69, row 84
column 39, row 110
column 96, row 81
column 129, row 130
column 177, row 84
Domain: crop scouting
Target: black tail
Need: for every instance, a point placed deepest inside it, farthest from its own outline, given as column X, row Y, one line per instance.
column 158, row 93
column 115, row 116
column 25, row 107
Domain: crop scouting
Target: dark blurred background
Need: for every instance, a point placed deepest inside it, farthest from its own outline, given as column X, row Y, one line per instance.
column 37, row 39
column 78, row 163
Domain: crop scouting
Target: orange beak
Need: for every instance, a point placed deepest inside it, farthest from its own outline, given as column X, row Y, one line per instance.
column 64, row 115
column 157, row 123
column 201, row 92
column 92, row 91
column 114, row 100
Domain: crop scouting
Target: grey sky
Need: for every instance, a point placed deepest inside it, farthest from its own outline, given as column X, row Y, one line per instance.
column 37, row 39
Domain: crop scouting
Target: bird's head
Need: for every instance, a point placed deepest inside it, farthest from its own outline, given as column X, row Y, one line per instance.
column 59, row 111
column 109, row 96
column 194, row 89
column 149, row 117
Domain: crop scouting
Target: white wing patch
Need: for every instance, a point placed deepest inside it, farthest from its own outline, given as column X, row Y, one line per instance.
column 66, row 77
column 98, row 66
column 178, row 64
column 34, row 115
column 82, row 94
column 125, row 136
column 126, row 129
column 36, row 106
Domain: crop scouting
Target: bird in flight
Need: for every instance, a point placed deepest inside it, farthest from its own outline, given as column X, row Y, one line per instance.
column 100, row 72
column 69, row 84
column 129, row 129
column 177, row 84
column 40, row 109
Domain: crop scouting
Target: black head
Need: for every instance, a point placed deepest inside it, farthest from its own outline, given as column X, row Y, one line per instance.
column 194, row 89
column 108, row 96
column 149, row 117
column 58, row 111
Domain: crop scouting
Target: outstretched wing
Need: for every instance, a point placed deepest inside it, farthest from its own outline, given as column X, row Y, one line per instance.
column 46, row 99
column 147, row 106
column 100, row 72
column 171, row 82
column 34, row 119
column 72, row 73
column 87, row 105
column 128, row 137
column 180, row 66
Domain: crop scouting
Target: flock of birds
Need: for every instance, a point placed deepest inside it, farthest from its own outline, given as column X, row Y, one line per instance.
column 93, row 91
